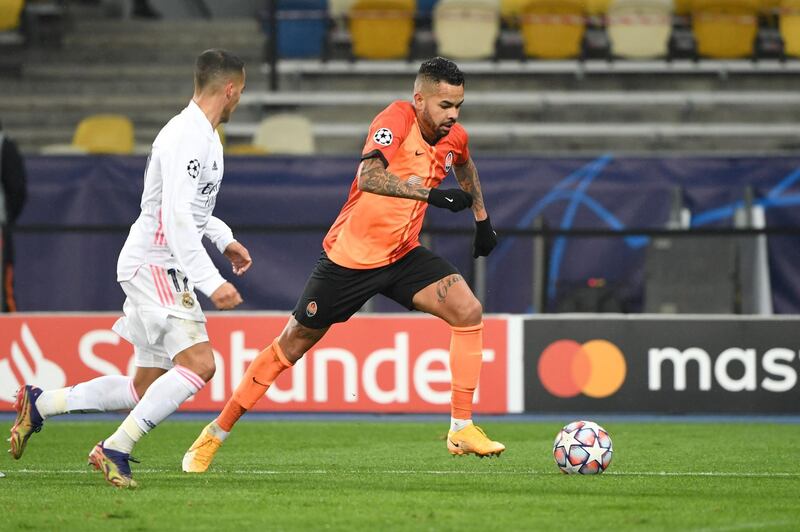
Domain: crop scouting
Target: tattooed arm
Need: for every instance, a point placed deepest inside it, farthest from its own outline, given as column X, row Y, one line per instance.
column 467, row 177
column 373, row 177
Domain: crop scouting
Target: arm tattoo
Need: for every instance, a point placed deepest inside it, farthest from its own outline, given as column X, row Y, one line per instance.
column 374, row 178
column 467, row 177
column 444, row 285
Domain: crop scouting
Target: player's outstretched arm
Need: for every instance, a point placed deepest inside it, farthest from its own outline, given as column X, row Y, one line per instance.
column 375, row 178
column 485, row 238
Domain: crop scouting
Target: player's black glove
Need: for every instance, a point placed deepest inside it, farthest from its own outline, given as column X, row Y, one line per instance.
column 454, row 199
column 485, row 239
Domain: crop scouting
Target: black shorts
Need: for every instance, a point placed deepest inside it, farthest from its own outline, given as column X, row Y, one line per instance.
column 334, row 293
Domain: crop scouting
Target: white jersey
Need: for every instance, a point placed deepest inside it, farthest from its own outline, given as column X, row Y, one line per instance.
column 181, row 182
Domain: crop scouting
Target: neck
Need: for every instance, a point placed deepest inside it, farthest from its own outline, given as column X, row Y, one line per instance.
column 210, row 108
column 428, row 135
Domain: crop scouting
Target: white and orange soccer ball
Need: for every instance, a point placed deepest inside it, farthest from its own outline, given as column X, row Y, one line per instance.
column 583, row 447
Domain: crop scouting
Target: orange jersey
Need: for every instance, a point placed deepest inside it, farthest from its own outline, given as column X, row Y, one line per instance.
column 373, row 230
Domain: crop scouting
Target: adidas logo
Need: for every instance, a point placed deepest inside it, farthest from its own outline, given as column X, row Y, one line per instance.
column 214, row 166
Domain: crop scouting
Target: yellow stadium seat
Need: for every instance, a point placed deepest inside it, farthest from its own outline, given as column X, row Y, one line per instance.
column 245, row 149
column 511, row 10
column 640, row 29
column 466, row 29
column 769, row 7
column 285, row 133
column 10, row 11
column 553, row 29
column 598, row 7
column 382, row 29
column 101, row 133
column 725, row 29
column 790, row 27
column 682, row 7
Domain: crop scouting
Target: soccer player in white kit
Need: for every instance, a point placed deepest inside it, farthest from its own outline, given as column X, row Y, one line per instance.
column 162, row 262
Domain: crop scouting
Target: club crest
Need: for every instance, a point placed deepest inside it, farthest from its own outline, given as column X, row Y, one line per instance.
column 311, row 309
column 448, row 161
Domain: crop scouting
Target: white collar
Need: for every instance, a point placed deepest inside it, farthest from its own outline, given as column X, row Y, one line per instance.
column 198, row 114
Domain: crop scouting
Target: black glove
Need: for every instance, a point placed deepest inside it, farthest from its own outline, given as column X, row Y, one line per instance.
column 485, row 239
column 454, row 199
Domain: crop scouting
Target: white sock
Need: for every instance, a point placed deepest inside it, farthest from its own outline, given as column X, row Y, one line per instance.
column 125, row 437
column 216, row 431
column 103, row 394
column 163, row 398
column 458, row 424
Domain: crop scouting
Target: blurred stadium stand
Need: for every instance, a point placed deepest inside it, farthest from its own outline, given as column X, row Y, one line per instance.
column 141, row 68
column 544, row 78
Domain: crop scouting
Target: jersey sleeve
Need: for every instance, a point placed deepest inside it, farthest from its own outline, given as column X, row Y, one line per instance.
column 181, row 167
column 219, row 233
column 386, row 133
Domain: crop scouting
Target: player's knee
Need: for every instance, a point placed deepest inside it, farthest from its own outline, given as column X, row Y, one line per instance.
column 201, row 365
column 469, row 312
column 206, row 368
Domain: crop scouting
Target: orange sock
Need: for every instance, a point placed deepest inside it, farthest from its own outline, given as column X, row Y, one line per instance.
column 260, row 374
column 466, row 357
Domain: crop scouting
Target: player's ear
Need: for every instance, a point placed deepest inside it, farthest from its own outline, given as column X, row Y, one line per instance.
column 419, row 101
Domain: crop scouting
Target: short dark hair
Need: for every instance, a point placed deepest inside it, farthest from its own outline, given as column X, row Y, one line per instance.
column 214, row 64
column 439, row 69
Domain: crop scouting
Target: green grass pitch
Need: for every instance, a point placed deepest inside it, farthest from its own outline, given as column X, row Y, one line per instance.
column 366, row 475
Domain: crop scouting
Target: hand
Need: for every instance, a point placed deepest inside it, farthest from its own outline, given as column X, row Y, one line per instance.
column 454, row 199
column 239, row 257
column 485, row 239
column 226, row 297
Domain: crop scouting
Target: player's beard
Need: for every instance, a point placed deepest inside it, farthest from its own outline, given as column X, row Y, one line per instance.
column 437, row 130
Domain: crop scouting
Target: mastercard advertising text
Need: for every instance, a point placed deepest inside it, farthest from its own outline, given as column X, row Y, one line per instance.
column 374, row 363
column 676, row 365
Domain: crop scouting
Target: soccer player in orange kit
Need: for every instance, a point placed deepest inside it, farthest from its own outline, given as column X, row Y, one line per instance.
column 373, row 248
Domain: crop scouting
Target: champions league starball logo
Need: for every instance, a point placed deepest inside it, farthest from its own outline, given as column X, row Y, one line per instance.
column 193, row 168
column 383, row 136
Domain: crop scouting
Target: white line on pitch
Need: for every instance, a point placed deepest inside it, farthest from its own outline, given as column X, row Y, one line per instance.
column 743, row 526
column 777, row 474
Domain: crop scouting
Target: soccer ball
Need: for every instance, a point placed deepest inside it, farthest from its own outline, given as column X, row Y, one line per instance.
column 583, row 447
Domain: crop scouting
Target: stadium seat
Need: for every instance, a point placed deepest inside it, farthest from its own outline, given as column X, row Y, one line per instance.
column 682, row 7
column 598, row 7
column 790, row 27
column 466, row 29
column 639, row 29
column 244, row 149
column 553, row 29
column 105, row 133
column 725, row 29
column 338, row 9
column 382, row 29
column 769, row 8
column 285, row 133
column 10, row 14
column 424, row 8
column 511, row 10
column 302, row 28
